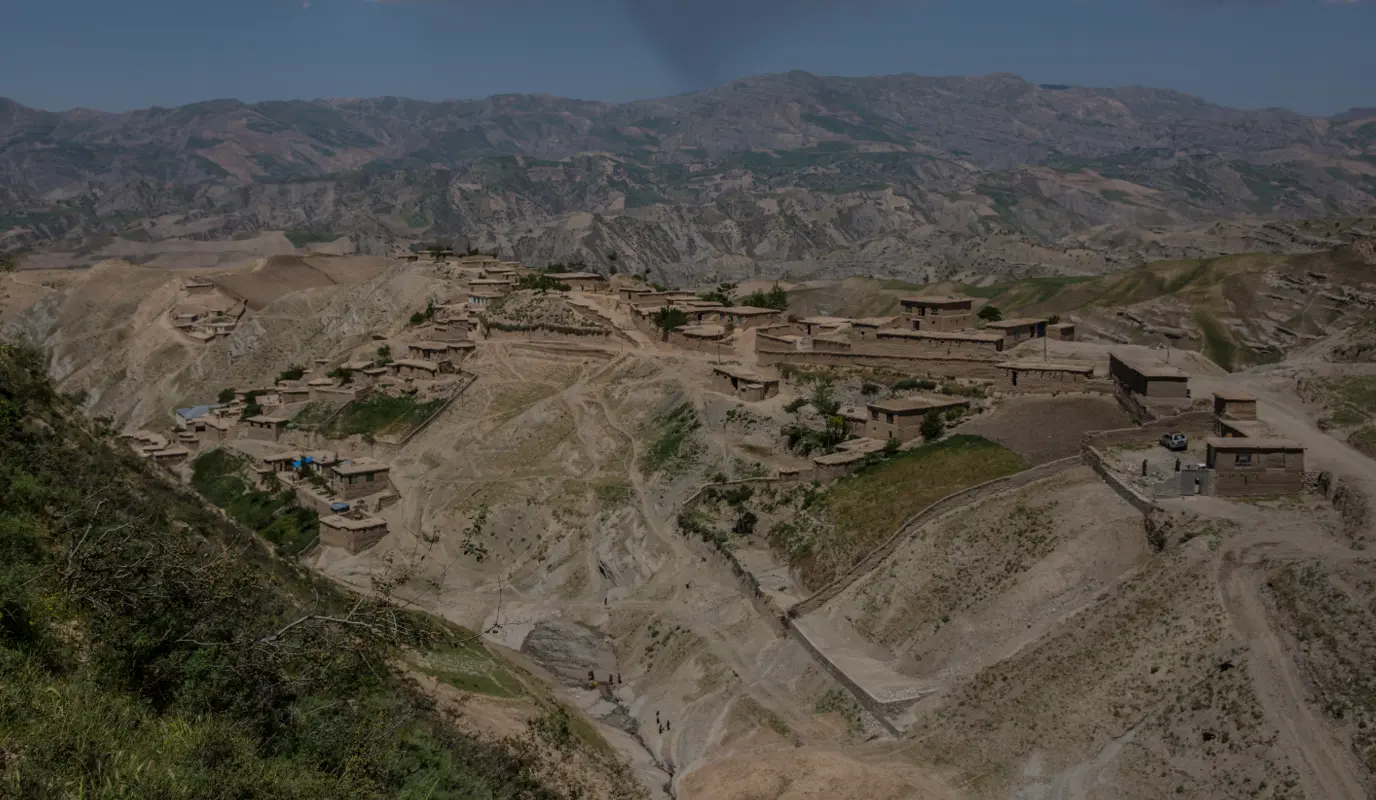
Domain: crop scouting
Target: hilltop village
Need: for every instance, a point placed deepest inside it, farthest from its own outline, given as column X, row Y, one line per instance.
column 727, row 513
column 959, row 355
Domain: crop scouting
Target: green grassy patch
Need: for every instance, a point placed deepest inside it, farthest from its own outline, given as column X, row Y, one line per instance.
column 1218, row 343
column 220, row 477
column 675, row 446
column 149, row 648
column 313, row 415
column 304, row 238
column 467, row 665
column 845, row 522
column 380, row 414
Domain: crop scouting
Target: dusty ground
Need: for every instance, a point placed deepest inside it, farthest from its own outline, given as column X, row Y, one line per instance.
column 1055, row 654
column 1042, row 429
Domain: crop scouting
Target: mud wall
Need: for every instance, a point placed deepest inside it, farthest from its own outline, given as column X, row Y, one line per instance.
column 924, row 366
column 948, row 503
column 1094, row 458
column 871, row 704
column 1191, row 423
column 546, row 335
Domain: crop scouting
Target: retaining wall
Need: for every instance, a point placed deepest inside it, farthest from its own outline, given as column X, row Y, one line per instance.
column 931, row 512
column 877, row 709
column 764, row 604
column 1191, row 423
column 924, row 366
column 543, row 335
column 1095, row 459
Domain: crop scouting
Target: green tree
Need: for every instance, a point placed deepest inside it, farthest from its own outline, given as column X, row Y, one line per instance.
column 384, row 355
column 225, row 397
column 669, row 318
column 722, row 294
column 990, row 314
column 933, row 425
column 293, row 373
column 824, row 401
column 341, row 374
column 776, row 298
column 1054, row 319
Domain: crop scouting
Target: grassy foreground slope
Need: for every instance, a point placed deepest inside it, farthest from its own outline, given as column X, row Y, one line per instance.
column 149, row 648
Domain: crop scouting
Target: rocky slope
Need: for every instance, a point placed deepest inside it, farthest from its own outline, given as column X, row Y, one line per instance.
column 924, row 177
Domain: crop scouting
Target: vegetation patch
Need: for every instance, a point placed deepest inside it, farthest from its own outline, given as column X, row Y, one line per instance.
column 219, row 476
column 840, row 525
column 675, row 446
column 150, row 648
column 304, row 238
column 380, row 413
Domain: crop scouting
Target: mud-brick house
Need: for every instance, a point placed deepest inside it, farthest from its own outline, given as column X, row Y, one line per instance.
column 938, row 313
column 580, row 281
column 293, row 392
column 1061, row 331
column 265, row 428
column 744, row 384
column 901, row 417
column 747, row 316
column 1042, row 376
column 359, row 477
column 415, row 368
column 1018, row 329
column 353, row 532
column 1148, row 379
column 1248, row 467
column 1235, row 405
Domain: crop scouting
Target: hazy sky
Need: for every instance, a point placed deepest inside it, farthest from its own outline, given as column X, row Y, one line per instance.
column 1309, row 55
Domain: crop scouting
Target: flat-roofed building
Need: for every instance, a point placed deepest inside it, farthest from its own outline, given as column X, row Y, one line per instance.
column 938, row 312
column 414, row 368
column 580, row 281
column 265, row 428
column 743, row 383
column 901, row 417
column 500, row 286
column 1235, row 405
column 359, row 477
column 1249, row 467
column 1148, row 378
column 1042, row 376
column 747, row 316
column 482, row 298
column 1061, row 331
column 352, row 532
column 949, row 340
column 1018, row 329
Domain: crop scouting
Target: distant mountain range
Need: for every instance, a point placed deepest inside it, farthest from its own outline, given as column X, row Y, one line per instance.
column 921, row 177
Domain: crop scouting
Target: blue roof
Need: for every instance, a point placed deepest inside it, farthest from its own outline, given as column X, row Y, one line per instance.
column 339, row 506
column 194, row 412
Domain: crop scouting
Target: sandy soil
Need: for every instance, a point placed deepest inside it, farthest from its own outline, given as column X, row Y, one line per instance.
column 1042, row 429
column 1057, row 655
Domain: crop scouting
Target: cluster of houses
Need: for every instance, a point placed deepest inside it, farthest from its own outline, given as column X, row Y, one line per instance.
column 204, row 312
column 930, row 326
column 347, row 493
column 1241, row 457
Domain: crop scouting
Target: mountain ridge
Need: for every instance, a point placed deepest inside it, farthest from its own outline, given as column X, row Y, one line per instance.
column 782, row 172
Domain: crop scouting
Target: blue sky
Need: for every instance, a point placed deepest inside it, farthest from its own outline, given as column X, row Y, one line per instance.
column 1309, row 55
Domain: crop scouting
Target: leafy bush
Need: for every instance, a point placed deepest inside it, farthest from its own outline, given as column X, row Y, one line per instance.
column 151, row 648
column 933, row 425
column 776, row 298
column 225, row 397
column 990, row 313
column 293, row 373
column 913, row 383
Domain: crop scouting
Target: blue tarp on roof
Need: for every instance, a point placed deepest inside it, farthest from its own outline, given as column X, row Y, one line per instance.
column 339, row 506
column 194, row 412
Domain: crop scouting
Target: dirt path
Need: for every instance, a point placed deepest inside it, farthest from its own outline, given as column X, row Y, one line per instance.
column 1280, row 688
